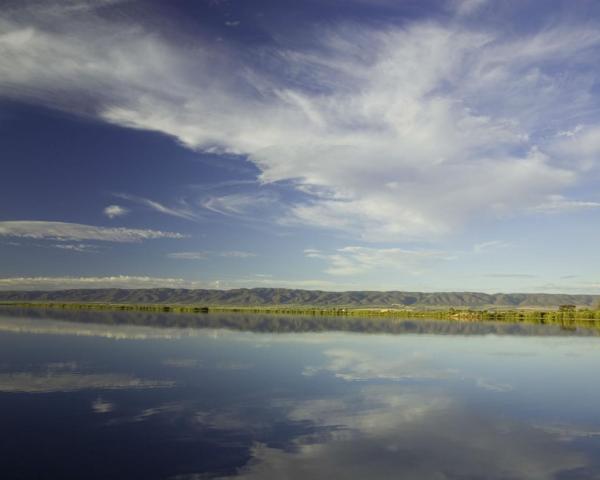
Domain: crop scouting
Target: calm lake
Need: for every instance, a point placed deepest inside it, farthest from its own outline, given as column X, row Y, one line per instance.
column 100, row 395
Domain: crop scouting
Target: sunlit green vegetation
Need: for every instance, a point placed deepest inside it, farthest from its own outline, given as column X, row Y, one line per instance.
column 567, row 316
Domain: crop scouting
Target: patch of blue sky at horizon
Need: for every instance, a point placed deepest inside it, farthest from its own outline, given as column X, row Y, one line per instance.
column 493, row 283
column 510, row 275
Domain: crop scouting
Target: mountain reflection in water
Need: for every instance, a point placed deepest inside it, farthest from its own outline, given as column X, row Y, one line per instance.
column 134, row 395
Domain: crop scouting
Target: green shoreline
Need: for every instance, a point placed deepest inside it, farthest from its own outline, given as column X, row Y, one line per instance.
column 582, row 317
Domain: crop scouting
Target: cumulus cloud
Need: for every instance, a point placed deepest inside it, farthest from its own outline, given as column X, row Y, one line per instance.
column 394, row 133
column 355, row 260
column 63, row 231
column 118, row 281
column 114, row 211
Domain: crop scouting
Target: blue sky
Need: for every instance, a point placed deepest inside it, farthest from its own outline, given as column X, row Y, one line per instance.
column 411, row 145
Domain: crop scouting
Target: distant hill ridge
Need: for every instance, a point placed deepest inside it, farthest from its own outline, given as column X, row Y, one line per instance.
column 284, row 296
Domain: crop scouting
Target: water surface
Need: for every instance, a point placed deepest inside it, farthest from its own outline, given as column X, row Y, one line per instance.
column 133, row 395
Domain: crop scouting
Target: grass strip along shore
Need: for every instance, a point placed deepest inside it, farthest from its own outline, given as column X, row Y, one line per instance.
column 568, row 316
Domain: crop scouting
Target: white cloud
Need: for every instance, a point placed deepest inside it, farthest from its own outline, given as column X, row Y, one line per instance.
column 183, row 211
column 63, row 231
column 356, row 260
column 394, row 133
column 413, row 436
column 76, row 247
column 467, row 7
column 118, row 281
column 490, row 245
column 560, row 204
column 579, row 146
column 114, row 211
column 354, row 365
column 239, row 204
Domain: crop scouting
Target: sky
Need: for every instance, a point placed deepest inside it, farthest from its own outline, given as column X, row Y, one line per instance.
column 329, row 144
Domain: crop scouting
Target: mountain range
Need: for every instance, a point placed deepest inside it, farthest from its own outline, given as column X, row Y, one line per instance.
column 283, row 296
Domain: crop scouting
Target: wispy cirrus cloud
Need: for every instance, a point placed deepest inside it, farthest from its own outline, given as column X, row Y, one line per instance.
column 63, row 231
column 182, row 211
column 555, row 204
column 240, row 204
column 372, row 126
column 355, row 260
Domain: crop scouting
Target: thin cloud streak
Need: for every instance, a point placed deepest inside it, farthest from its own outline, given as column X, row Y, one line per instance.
column 63, row 231
column 116, row 281
column 354, row 260
column 181, row 212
